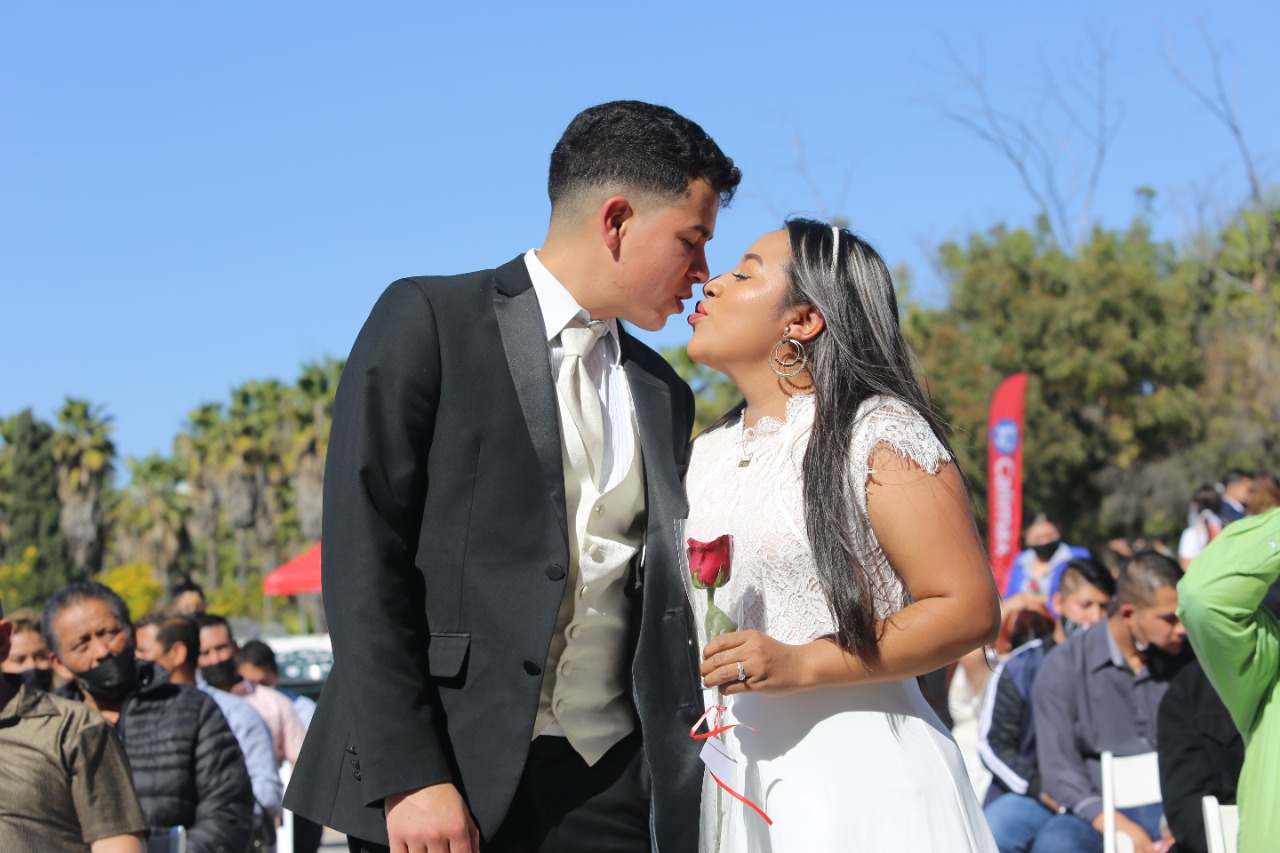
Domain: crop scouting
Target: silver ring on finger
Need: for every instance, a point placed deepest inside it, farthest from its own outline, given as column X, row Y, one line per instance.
column 742, row 673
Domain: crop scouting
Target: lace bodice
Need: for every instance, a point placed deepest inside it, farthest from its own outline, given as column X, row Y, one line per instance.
column 775, row 587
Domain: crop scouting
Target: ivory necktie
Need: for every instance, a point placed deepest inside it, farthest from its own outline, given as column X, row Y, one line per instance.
column 581, row 398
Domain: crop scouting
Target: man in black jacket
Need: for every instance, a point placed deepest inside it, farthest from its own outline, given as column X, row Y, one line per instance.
column 511, row 659
column 187, row 767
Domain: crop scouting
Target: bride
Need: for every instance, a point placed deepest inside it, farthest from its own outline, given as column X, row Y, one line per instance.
column 837, row 484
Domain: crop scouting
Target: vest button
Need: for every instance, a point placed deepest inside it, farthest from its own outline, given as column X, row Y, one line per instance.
column 532, row 668
column 555, row 572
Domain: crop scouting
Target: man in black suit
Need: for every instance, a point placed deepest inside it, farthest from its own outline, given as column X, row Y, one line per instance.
column 512, row 666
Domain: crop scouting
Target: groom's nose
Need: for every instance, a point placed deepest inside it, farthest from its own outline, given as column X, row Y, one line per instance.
column 699, row 270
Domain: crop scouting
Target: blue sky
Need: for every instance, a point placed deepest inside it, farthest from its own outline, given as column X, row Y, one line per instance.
column 199, row 194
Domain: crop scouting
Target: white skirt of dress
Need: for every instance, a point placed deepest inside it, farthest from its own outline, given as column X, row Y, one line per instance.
column 868, row 768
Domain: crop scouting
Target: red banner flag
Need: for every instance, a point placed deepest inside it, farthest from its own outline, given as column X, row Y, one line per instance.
column 1004, row 474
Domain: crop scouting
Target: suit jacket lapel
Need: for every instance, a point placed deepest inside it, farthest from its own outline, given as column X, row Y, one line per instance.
column 524, row 340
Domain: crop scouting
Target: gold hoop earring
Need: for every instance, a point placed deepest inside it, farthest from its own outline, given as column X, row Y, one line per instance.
column 788, row 367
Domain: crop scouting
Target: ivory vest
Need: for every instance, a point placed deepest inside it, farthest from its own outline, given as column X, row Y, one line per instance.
column 585, row 692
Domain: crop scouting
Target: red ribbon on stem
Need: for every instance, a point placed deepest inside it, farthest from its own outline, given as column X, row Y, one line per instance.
column 713, row 729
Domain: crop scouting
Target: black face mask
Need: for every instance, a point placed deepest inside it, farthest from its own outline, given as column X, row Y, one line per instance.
column 1071, row 628
column 221, row 675
column 113, row 679
column 37, row 679
column 1045, row 551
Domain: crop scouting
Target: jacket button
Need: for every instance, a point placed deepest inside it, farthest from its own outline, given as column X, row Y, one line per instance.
column 356, row 773
column 355, row 763
column 555, row 572
column 532, row 668
column 351, row 749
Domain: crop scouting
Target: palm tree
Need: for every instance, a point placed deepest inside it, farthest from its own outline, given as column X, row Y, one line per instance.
column 150, row 517
column 195, row 452
column 261, row 411
column 7, row 427
column 314, row 412
column 83, row 452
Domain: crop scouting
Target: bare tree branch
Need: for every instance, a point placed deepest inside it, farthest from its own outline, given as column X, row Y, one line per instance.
column 1035, row 148
column 1220, row 104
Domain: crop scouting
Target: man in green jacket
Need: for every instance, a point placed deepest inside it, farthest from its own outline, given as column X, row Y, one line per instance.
column 1238, row 643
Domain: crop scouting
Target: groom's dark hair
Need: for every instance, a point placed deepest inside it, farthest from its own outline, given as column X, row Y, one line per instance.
column 640, row 147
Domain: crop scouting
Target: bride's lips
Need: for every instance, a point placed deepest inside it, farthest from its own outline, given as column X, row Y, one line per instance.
column 698, row 314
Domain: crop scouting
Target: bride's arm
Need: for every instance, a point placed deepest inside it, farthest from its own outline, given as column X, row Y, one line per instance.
column 923, row 523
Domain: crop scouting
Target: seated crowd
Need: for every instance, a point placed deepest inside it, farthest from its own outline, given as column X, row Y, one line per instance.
column 1098, row 661
column 115, row 730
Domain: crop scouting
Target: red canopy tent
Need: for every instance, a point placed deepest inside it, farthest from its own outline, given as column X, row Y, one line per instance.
column 301, row 574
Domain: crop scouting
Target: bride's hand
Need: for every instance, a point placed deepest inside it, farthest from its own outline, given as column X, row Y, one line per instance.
column 770, row 666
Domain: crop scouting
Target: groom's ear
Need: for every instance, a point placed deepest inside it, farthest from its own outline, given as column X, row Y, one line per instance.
column 806, row 321
column 613, row 215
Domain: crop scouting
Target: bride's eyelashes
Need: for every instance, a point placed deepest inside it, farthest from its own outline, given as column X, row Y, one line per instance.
column 739, row 276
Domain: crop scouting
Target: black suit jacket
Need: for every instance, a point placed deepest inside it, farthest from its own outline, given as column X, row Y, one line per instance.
column 446, row 553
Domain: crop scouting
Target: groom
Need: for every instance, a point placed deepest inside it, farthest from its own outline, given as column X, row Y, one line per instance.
column 512, row 670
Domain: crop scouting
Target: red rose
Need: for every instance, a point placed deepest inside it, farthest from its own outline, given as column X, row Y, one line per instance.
column 709, row 562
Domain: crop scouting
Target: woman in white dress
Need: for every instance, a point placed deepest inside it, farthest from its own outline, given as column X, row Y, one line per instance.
column 852, row 521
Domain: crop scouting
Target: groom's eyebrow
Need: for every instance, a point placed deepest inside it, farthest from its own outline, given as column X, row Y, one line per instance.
column 702, row 229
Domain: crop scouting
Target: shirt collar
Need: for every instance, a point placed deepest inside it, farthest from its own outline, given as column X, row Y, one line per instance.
column 1101, row 648
column 559, row 308
column 28, row 702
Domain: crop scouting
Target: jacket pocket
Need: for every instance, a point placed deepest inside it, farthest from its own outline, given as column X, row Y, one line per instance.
column 447, row 654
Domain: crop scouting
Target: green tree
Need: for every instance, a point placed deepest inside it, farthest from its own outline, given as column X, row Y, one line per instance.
column 84, row 453
column 1238, row 291
column 136, row 583
column 313, row 411
column 150, row 517
column 15, row 578
column 7, row 426
column 1113, row 394
column 35, row 510
column 714, row 394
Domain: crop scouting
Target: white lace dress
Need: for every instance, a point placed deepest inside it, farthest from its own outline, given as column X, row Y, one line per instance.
column 863, row 768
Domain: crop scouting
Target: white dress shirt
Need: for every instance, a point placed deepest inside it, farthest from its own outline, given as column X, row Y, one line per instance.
column 603, row 364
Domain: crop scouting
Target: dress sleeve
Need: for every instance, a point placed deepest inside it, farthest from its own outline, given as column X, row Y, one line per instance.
column 897, row 427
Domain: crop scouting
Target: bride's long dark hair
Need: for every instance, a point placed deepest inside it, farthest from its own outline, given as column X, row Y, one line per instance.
column 859, row 354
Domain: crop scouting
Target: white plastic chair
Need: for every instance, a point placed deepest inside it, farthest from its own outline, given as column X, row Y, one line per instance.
column 1127, row 782
column 1221, row 826
column 174, row 842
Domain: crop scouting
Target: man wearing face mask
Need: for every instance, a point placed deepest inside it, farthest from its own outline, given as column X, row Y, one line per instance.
column 29, row 657
column 1016, row 807
column 187, row 767
column 220, row 667
column 64, row 781
column 1100, row 691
